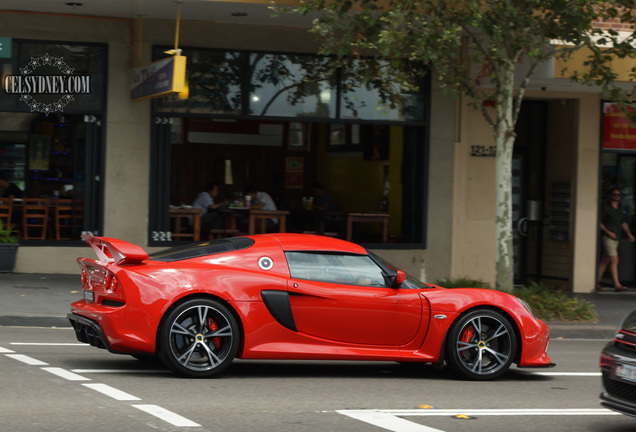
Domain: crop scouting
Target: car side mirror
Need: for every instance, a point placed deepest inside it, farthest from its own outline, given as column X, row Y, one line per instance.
column 395, row 279
column 399, row 278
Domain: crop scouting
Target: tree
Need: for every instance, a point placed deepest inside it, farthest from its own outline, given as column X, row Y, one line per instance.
column 474, row 48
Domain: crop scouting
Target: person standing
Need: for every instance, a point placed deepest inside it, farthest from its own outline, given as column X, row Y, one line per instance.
column 613, row 221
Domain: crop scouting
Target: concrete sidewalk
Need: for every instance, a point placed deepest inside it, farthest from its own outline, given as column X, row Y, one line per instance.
column 44, row 299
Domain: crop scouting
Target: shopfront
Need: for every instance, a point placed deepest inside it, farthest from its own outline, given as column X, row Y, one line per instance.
column 263, row 119
column 124, row 163
column 618, row 170
column 51, row 141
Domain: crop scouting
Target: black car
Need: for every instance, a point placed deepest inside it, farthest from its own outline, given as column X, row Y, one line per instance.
column 618, row 367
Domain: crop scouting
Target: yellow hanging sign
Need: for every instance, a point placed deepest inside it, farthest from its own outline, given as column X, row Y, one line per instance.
column 160, row 78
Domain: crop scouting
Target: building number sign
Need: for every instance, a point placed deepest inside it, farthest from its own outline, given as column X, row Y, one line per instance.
column 483, row 151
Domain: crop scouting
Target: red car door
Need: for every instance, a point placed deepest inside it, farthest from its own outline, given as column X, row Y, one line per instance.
column 356, row 314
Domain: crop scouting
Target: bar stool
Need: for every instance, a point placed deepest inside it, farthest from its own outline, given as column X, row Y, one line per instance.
column 35, row 217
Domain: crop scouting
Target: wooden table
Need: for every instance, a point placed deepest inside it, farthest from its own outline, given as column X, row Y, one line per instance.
column 256, row 218
column 382, row 218
column 262, row 215
column 180, row 213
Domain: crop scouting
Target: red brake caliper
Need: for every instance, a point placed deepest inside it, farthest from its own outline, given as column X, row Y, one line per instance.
column 213, row 327
column 467, row 334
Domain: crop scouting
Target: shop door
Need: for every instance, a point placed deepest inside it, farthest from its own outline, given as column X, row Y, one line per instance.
column 64, row 162
column 620, row 170
column 528, row 185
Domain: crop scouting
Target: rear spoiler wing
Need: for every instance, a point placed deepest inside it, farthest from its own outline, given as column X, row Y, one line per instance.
column 115, row 251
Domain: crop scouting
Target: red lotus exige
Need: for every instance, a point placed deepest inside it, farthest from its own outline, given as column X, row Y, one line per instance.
column 293, row 296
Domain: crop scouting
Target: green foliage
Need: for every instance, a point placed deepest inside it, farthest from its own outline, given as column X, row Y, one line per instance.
column 8, row 235
column 547, row 303
column 462, row 282
column 554, row 305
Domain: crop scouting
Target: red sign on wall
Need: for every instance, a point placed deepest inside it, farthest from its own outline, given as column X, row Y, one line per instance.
column 618, row 132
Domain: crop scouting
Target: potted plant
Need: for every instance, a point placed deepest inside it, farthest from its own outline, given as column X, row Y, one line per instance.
column 8, row 247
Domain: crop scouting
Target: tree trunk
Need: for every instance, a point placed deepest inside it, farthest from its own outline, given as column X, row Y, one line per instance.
column 505, row 138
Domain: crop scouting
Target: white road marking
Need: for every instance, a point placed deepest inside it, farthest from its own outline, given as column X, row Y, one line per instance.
column 167, row 416
column 392, row 419
column 112, row 392
column 502, row 412
column 67, row 375
column 48, row 344
column 576, row 374
column 26, row 359
column 155, row 410
column 385, row 420
column 120, row 371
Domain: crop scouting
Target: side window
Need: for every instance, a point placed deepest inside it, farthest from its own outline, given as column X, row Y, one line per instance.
column 335, row 268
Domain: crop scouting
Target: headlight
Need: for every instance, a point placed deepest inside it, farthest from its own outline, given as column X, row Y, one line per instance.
column 528, row 308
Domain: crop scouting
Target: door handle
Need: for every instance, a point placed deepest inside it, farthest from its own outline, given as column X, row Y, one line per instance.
column 522, row 226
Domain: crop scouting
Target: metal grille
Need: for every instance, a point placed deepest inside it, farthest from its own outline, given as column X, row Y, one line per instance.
column 618, row 389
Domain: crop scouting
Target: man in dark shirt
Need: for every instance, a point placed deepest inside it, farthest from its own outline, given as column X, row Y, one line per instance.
column 612, row 222
column 9, row 189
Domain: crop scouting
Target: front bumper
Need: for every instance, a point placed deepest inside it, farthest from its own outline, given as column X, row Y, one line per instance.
column 618, row 394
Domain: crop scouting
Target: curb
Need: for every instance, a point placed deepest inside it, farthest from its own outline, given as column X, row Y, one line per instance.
column 581, row 331
column 34, row 321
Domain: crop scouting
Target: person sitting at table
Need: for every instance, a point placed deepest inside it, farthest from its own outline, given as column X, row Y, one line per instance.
column 323, row 200
column 207, row 201
column 9, row 190
column 262, row 201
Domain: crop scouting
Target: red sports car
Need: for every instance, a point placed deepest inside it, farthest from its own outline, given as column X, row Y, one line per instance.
column 293, row 296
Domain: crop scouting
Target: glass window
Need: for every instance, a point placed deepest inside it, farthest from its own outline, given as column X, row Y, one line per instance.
column 291, row 86
column 334, row 268
column 366, row 101
column 283, row 128
column 214, row 80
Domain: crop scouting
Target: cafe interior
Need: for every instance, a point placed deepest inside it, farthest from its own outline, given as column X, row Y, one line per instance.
column 369, row 170
column 282, row 123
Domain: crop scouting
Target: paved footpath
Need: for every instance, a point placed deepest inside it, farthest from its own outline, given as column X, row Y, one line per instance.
column 28, row 299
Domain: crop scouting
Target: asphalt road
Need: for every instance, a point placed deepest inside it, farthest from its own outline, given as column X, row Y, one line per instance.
column 50, row 383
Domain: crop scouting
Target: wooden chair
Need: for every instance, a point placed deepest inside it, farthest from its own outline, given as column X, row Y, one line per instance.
column 6, row 211
column 68, row 218
column 35, row 218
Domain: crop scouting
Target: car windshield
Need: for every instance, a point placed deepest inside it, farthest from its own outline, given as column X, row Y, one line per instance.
column 410, row 282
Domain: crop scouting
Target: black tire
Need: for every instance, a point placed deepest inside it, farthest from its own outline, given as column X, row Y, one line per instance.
column 481, row 345
column 198, row 338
